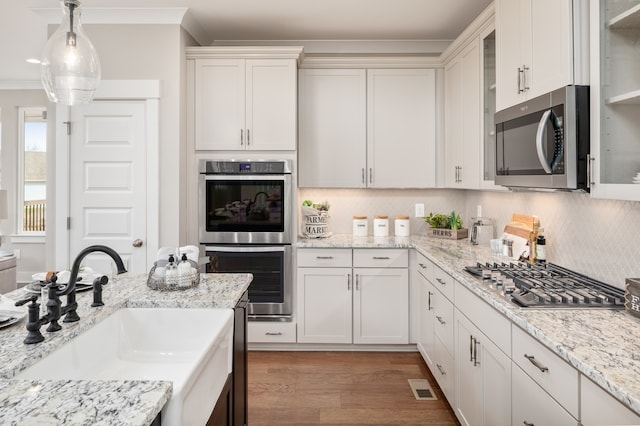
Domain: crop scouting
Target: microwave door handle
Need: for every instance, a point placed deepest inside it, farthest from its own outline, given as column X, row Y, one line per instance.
column 540, row 141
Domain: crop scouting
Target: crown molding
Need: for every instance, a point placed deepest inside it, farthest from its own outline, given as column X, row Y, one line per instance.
column 371, row 47
column 371, row 61
column 245, row 52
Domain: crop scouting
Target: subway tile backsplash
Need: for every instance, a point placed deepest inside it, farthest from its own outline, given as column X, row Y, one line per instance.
column 599, row 238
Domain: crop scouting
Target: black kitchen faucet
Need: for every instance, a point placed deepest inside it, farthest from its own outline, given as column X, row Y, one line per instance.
column 54, row 306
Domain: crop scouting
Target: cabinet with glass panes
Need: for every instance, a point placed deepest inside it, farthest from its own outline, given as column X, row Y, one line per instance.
column 615, row 99
column 488, row 143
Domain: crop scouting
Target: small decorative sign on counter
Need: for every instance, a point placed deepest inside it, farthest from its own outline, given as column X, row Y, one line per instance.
column 449, row 234
column 632, row 296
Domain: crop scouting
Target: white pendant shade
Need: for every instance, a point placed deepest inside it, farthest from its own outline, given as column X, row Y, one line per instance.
column 70, row 67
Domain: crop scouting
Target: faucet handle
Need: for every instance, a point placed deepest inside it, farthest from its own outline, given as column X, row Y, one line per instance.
column 33, row 323
column 31, row 299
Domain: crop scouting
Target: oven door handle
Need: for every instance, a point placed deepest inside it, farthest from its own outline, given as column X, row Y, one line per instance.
column 241, row 177
column 246, row 249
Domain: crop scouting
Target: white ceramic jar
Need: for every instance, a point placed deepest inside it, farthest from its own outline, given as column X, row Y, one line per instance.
column 380, row 226
column 402, row 226
column 360, row 226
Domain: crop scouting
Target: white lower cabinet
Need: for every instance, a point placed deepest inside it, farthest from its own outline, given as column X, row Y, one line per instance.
column 598, row 408
column 426, row 321
column 436, row 342
column 532, row 406
column 325, row 305
column 554, row 375
column 483, row 373
column 366, row 304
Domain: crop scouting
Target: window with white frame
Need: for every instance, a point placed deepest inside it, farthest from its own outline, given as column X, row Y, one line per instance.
column 32, row 170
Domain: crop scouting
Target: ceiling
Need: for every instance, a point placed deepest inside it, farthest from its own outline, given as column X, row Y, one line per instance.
column 23, row 32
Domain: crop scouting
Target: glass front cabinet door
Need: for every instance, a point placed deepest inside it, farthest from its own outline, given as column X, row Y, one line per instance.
column 615, row 99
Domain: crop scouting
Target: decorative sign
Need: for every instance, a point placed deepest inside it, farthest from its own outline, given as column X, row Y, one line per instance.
column 632, row 296
column 448, row 234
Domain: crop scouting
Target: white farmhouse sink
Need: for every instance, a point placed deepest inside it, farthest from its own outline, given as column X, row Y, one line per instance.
column 193, row 348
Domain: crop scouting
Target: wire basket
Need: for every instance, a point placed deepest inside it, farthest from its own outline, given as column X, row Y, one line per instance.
column 158, row 278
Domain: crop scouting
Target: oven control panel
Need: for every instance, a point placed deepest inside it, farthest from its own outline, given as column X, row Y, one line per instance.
column 245, row 167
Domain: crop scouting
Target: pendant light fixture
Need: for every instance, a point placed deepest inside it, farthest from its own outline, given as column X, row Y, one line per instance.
column 70, row 67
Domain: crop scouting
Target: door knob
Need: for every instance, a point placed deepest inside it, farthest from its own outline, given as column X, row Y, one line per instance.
column 137, row 242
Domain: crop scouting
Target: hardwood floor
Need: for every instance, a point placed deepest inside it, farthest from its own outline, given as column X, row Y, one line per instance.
column 341, row 388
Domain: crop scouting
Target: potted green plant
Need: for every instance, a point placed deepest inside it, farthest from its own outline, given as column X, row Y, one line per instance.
column 446, row 226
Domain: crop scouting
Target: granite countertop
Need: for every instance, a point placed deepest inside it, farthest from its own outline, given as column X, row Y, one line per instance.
column 602, row 344
column 48, row 402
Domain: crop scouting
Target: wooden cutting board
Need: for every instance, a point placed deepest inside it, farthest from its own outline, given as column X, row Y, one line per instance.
column 522, row 225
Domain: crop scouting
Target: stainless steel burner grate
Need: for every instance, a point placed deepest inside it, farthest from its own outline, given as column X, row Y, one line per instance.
column 548, row 285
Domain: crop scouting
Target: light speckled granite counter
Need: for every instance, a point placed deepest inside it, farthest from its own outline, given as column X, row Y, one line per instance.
column 601, row 344
column 25, row 402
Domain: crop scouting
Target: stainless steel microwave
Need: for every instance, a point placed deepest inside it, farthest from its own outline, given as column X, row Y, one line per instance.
column 544, row 142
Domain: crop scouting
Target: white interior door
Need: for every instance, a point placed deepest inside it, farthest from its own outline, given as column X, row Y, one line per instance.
column 107, row 183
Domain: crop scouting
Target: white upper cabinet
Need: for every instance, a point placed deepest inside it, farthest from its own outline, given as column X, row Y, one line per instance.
column 367, row 128
column 401, row 128
column 462, row 118
column 333, row 120
column 236, row 103
column 615, row 99
column 540, row 47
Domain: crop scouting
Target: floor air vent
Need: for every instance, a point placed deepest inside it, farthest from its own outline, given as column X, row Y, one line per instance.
column 422, row 389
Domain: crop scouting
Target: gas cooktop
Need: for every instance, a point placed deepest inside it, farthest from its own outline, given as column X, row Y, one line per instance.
column 546, row 285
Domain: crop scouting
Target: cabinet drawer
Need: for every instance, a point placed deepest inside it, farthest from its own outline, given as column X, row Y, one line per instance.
column 495, row 326
column 324, row 258
column 443, row 321
column 533, row 406
column 553, row 374
column 380, row 258
column 444, row 371
column 271, row 332
column 443, row 282
column 425, row 267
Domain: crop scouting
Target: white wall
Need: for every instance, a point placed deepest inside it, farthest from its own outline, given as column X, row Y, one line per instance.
column 152, row 52
column 599, row 238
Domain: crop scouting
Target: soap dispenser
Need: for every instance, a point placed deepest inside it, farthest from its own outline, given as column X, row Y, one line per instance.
column 184, row 272
column 171, row 273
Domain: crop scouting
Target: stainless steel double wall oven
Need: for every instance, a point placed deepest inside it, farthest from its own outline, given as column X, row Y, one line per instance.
column 245, row 220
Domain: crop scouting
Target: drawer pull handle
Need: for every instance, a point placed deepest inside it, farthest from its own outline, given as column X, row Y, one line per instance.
column 440, row 320
column 271, row 333
column 444, row 373
column 441, row 282
column 429, row 306
column 475, row 352
column 533, row 361
column 324, row 257
column 381, row 257
column 526, row 423
column 422, row 265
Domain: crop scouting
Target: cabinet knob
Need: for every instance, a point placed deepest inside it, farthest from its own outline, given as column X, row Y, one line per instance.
column 137, row 243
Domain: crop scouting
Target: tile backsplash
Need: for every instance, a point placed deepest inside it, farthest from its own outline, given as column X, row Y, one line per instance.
column 599, row 238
